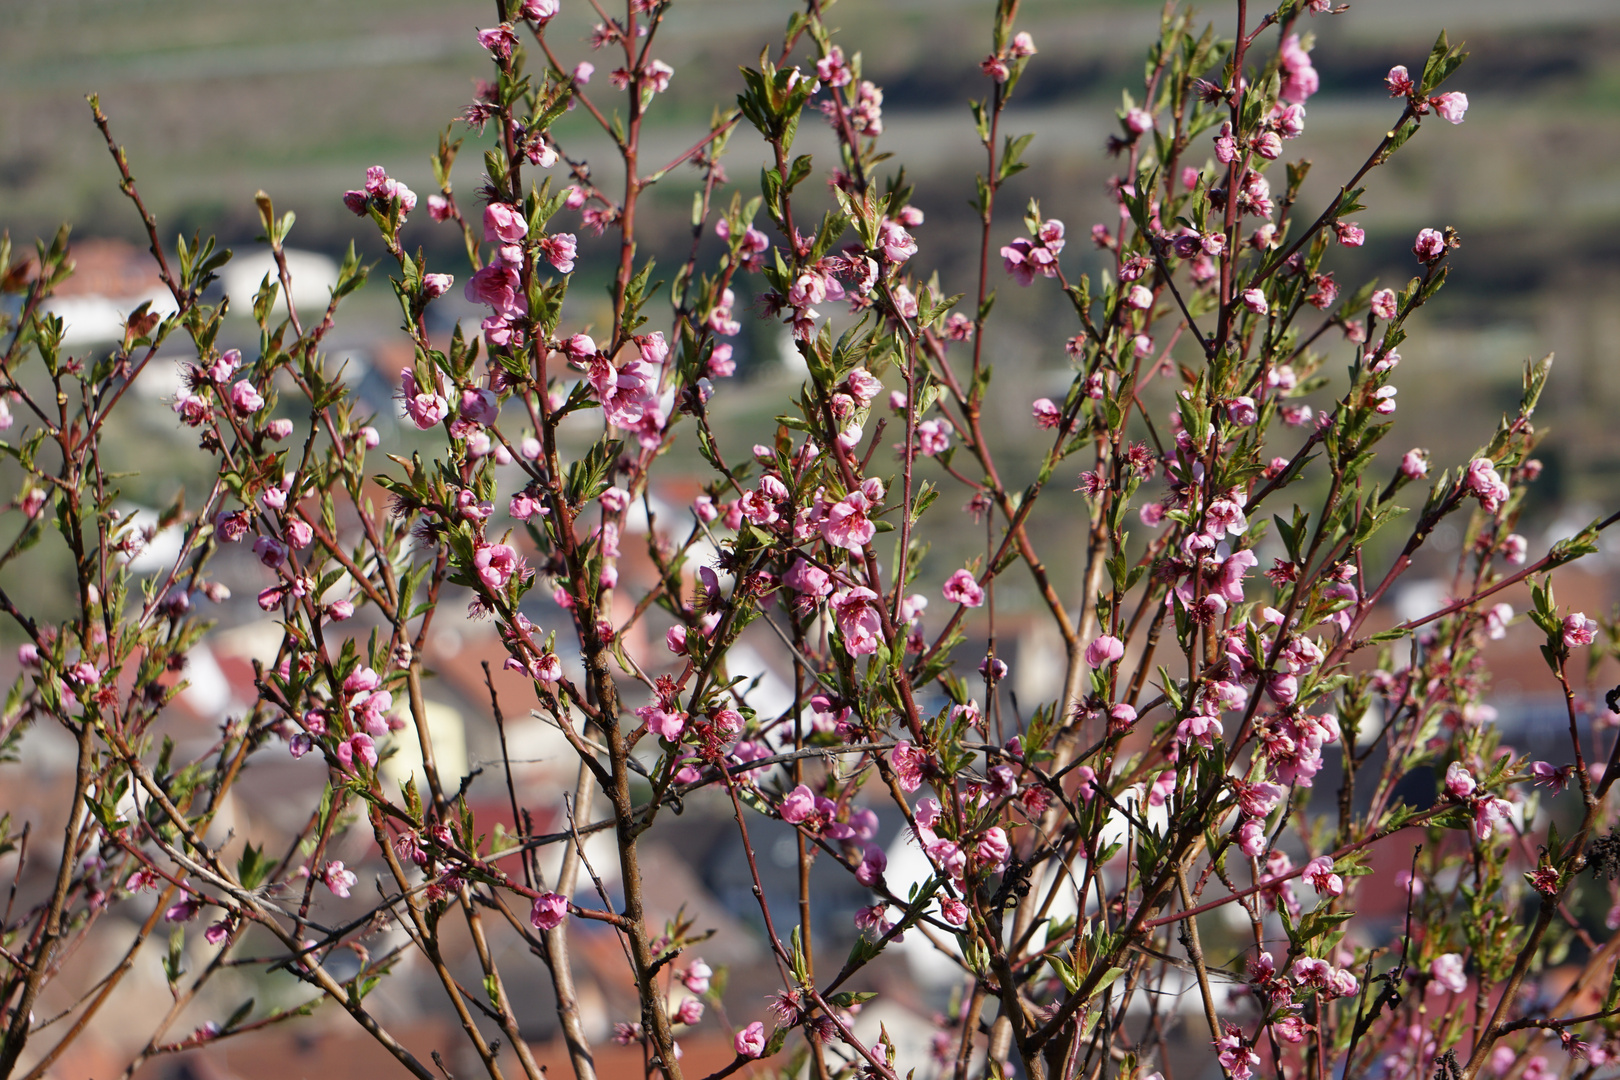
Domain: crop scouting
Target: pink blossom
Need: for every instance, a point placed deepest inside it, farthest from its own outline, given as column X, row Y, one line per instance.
column 1578, row 630
column 1429, row 246
column 1446, row 974
column 495, row 564
column 426, row 410
column 908, row 763
column 1319, row 873
column 696, row 978
column 1300, row 79
column 1488, row 812
column 1025, row 259
column 627, row 394
column 962, row 588
column 690, row 1012
column 1104, row 650
column 1399, row 82
column 299, row 533
column 895, row 242
column 193, row 410
column 933, row 437
column 1496, row 620
column 873, row 862
column 1255, row 301
column 559, row 249
column 798, row 805
column 504, row 224
column 1484, row 483
column 847, row 525
column 1349, row 233
column 549, row 911
column 338, row 879
column 1234, row 1055
column 1515, row 549
column 832, row 69
column 271, row 552
column 657, row 75
column 948, row 856
column 1460, row 783
column 524, row 506
column 1241, row 411
column 721, row 365
column 750, row 1041
column 1225, row 514
column 498, row 40
column 245, row 398
column 279, row 429
column 662, row 722
column 1451, row 106
column 1384, row 304
column 498, row 286
column 479, row 406
column 805, row 577
column 361, row 680
column 1415, row 464
column 1312, row 971
column 856, row 610
column 1341, row 983
column 1324, row 290
column 1047, row 414
column 184, row 910
column 358, row 745
column 993, row 850
column 1198, row 728
column 380, row 191
column 540, row 10
column 231, row 527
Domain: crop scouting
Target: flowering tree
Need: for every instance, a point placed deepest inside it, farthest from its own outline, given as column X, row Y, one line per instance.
column 1070, row 851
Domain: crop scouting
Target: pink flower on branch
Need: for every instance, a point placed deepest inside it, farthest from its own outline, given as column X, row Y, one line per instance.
column 1578, row 630
column 1104, row 650
column 499, row 40
column 425, row 409
column 1452, row 106
column 962, row 588
column 847, row 525
column 338, row 879
column 859, row 622
column 750, row 1041
column 549, row 911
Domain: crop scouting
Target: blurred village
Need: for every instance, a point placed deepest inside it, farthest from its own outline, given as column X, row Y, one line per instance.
column 1528, row 180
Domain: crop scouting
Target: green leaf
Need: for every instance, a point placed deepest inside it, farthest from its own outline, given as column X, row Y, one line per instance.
column 253, row 866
